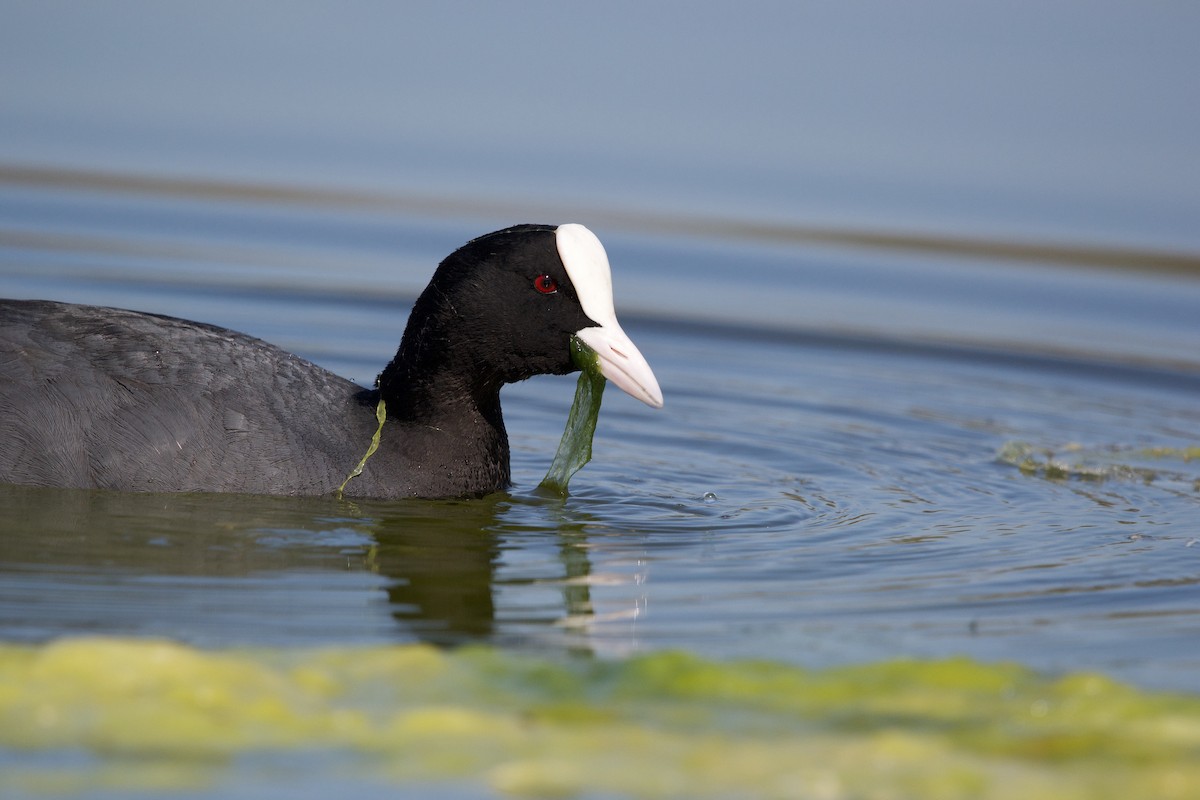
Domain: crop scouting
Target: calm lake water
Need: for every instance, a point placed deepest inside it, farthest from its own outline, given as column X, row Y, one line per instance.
column 820, row 491
column 915, row 407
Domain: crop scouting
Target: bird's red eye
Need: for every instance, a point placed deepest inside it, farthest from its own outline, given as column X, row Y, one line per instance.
column 545, row 284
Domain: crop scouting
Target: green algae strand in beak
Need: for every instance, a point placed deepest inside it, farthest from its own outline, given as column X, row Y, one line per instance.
column 575, row 448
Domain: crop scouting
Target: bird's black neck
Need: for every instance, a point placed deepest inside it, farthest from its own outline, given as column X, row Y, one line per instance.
column 435, row 395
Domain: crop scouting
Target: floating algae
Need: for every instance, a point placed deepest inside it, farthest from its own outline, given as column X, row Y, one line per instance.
column 575, row 447
column 1170, row 466
column 177, row 719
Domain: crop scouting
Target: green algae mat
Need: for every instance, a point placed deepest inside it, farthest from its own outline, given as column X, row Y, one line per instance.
column 127, row 714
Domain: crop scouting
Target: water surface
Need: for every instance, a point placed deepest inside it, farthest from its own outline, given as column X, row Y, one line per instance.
column 926, row 457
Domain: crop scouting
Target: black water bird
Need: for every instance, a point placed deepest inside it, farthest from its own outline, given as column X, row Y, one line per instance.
column 105, row 398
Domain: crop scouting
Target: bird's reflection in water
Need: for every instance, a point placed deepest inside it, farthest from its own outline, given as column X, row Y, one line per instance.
column 226, row 569
column 443, row 559
column 440, row 561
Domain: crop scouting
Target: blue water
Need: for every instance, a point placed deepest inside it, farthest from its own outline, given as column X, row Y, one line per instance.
column 883, row 436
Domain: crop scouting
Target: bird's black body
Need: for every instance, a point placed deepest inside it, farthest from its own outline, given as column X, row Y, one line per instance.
column 104, row 398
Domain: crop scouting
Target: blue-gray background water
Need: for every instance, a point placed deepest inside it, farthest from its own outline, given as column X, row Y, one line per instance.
column 921, row 284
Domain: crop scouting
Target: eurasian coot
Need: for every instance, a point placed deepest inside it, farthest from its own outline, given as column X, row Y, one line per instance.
column 104, row 398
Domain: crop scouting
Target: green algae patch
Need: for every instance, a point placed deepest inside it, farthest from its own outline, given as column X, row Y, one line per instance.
column 1169, row 467
column 575, row 447
column 152, row 714
column 1172, row 453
